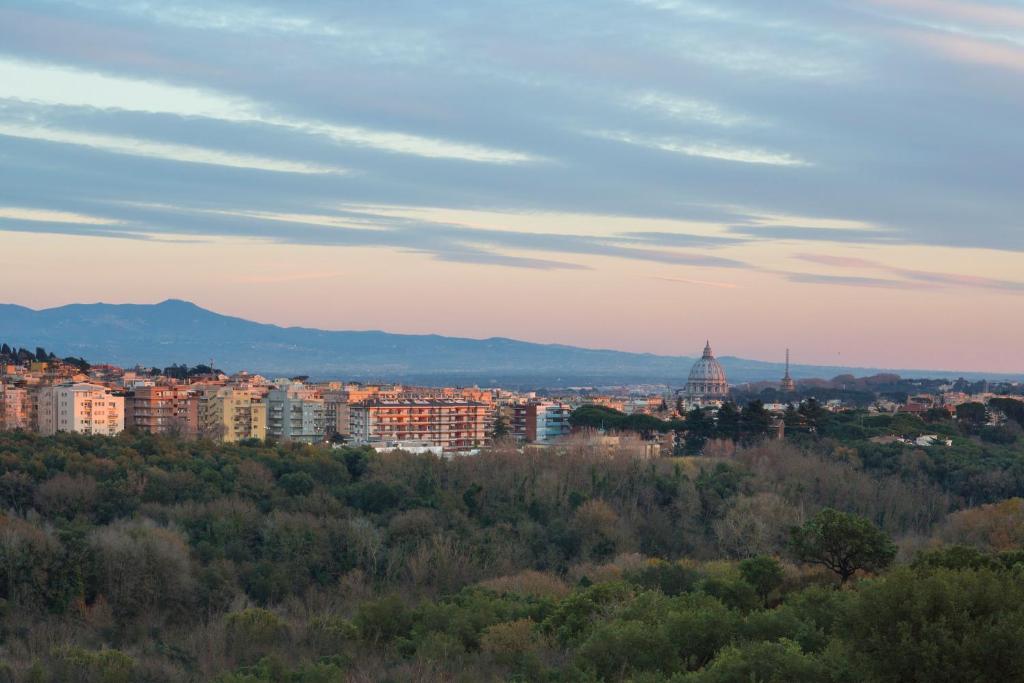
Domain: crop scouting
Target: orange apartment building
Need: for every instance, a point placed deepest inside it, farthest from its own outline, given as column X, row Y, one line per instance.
column 163, row 410
column 454, row 425
column 15, row 408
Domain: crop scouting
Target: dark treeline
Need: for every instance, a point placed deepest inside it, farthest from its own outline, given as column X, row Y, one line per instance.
column 142, row 558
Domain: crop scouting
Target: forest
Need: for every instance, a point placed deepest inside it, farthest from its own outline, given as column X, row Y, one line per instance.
column 820, row 557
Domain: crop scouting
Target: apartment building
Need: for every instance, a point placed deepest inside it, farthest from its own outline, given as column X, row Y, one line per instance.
column 454, row 425
column 231, row 414
column 296, row 412
column 540, row 421
column 163, row 410
column 336, row 413
column 80, row 407
column 15, row 407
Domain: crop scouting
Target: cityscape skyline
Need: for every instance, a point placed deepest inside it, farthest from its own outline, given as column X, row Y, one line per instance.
column 842, row 179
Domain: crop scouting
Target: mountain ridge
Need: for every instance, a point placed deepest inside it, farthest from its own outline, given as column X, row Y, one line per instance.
column 179, row 331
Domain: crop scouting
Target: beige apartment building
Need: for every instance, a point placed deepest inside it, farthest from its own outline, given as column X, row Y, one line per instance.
column 336, row 413
column 454, row 425
column 231, row 414
column 80, row 407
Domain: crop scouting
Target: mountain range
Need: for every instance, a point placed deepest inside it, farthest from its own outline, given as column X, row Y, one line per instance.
column 176, row 331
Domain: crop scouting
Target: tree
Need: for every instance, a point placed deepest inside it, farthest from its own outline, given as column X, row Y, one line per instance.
column 812, row 413
column 699, row 428
column 763, row 573
column 935, row 624
column 728, row 421
column 500, row 428
column 843, row 543
column 792, row 418
column 754, row 422
column 972, row 415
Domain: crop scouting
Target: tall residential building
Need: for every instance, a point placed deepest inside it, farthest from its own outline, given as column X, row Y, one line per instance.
column 15, row 408
column 82, row 408
column 162, row 410
column 231, row 414
column 336, row 413
column 295, row 412
column 542, row 421
column 454, row 425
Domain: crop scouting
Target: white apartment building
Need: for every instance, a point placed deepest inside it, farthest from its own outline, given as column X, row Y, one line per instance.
column 82, row 408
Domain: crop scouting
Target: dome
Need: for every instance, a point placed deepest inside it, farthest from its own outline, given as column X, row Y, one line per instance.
column 707, row 378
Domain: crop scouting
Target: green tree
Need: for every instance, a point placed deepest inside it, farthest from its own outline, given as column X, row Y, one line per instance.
column 763, row 573
column 843, row 543
column 754, row 422
column 297, row 483
column 500, row 429
column 951, row 625
column 972, row 415
column 728, row 422
column 699, row 428
column 781, row 662
column 812, row 413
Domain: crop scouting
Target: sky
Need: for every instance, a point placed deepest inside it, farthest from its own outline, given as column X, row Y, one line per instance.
column 841, row 177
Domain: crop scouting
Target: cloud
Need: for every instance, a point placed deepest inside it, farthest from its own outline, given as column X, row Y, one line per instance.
column 751, row 119
column 706, row 149
column 679, row 239
column 849, row 281
column 687, row 109
column 51, row 84
column 981, row 13
column 839, row 261
column 19, row 213
column 159, row 150
column 813, row 234
column 973, row 50
column 444, row 242
column 705, row 283
column 915, row 275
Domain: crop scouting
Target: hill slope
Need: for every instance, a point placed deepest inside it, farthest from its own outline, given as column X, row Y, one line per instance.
column 176, row 331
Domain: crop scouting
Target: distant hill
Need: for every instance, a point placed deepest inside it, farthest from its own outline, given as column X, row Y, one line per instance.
column 176, row 331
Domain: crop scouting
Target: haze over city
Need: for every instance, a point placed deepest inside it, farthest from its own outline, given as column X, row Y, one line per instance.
column 842, row 178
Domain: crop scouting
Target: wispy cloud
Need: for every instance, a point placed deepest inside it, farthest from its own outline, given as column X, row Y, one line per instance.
column 706, row 149
column 703, row 283
column 51, row 84
column 49, row 216
column 688, row 109
column 443, row 241
column 160, row 150
column 915, row 276
column 849, row 281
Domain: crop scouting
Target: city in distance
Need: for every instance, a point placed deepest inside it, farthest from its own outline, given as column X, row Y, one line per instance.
column 605, row 341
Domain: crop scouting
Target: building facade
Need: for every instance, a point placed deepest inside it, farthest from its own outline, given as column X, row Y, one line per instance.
column 81, row 408
column 232, row 414
column 15, row 408
column 296, row 413
column 162, row 410
column 707, row 381
column 454, row 425
column 542, row 421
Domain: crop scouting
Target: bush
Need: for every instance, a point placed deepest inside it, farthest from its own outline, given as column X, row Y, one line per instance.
column 253, row 634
